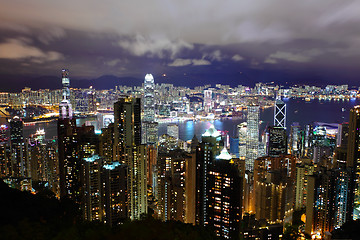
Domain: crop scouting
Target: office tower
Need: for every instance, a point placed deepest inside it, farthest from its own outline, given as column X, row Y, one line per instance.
column 149, row 133
column 19, row 165
column 252, row 136
column 91, row 189
column 294, row 146
column 277, row 144
column 171, row 185
column 149, row 101
column 65, row 108
column 149, row 126
column 279, row 113
column 242, row 129
column 205, row 156
column 129, row 150
column 208, row 104
column 353, row 156
column 224, row 194
column 173, row 130
column 115, row 193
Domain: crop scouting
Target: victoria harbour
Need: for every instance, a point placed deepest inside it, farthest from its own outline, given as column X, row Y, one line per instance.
column 298, row 110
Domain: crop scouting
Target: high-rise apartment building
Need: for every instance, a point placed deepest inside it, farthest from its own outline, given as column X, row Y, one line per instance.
column 130, row 151
column 205, row 156
column 19, row 164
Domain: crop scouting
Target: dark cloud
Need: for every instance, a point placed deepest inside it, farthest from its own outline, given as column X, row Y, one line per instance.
column 127, row 38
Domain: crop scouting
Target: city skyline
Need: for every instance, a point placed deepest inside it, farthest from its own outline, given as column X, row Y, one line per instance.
column 238, row 43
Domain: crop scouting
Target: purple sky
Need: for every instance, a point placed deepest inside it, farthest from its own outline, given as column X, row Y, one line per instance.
column 293, row 41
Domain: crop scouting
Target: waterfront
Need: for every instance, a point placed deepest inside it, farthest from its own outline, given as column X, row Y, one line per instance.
column 297, row 111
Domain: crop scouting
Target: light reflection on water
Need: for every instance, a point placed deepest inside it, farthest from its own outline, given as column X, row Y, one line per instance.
column 297, row 111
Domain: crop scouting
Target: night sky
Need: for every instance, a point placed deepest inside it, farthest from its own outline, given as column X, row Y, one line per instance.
column 192, row 42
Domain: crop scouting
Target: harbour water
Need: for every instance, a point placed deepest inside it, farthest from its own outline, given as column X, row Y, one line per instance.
column 297, row 111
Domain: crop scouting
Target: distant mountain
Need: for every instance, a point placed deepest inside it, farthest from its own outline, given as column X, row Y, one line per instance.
column 17, row 83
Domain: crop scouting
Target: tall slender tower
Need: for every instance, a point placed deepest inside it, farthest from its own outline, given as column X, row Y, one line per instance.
column 149, row 126
column 252, row 136
column 129, row 150
column 65, row 109
column 149, row 101
column 279, row 113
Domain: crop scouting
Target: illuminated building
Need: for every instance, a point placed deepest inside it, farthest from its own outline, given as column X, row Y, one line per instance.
column 190, row 183
column 277, row 144
column 129, row 150
column 302, row 172
column 353, row 160
column 173, row 130
column 242, row 129
column 75, row 143
column 252, row 136
column 279, row 113
column 91, row 190
column 171, row 185
column 327, row 201
column 19, row 165
column 149, row 103
column 149, row 126
column 65, row 108
column 208, row 104
column 274, row 181
column 205, row 156
column 5, row 163
column 224, row 205
column 115, row 193
column 294, row 146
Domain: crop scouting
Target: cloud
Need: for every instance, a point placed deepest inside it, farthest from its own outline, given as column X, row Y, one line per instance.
column 214, row 56
column 301, row 57
column 51, row 34
column 199, row 62
column 154, row 46
column 113, row 62
column 179, row 62
column 19, row 49
column 237, row 58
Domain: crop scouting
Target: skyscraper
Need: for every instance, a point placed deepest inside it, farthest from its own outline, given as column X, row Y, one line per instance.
column 149, row 126
column 129, row 150
column 224, row 197
column 277, row 144
column 205, row 156
column 279, row 113
column 353, row 160
column 252, row 136
column 173, row 130
column 18, row 160
column 65, row 108
column 149, row 101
